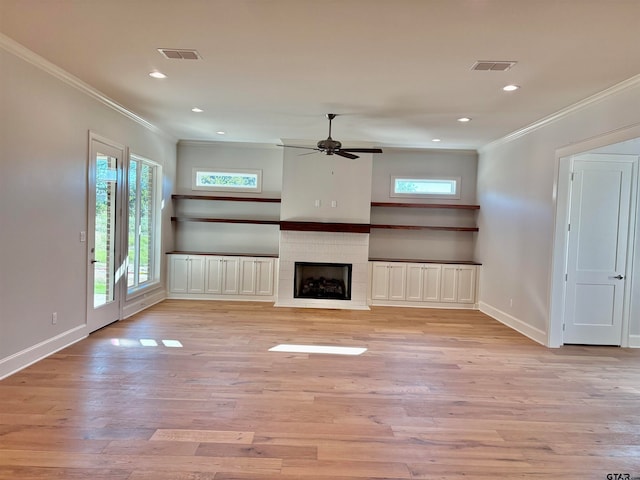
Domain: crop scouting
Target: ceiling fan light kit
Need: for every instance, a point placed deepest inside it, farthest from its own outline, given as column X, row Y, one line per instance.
column 329, row 146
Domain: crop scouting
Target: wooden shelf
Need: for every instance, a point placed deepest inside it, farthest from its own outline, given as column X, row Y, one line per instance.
column 223, row 254
column 225, row 198
column 457, row 206
column 225, row 220
column 420, row 260
column 424, row 227
column 325, row 227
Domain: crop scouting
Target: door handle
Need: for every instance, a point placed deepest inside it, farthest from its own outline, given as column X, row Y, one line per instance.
column 94, row 261
column 618, row 277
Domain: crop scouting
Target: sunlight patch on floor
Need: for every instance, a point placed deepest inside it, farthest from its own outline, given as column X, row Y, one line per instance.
column 326, row 349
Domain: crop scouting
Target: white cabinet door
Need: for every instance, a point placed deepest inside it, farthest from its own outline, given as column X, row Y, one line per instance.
column 186, row 274
column 431, row 278
column 397, row 281
column 264, row 276
column 230, row 275
column 449, row 289
column 247, row 276
column 388, row 281
column 458, row 283
column 179, row 273
column 380, row 281
column 196, row 274
column 467, row 284
column 415, row 278
column 213, row 275
column 423, row 282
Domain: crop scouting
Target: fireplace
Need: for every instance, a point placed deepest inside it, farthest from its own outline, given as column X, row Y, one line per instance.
column 322, row 280
column 324, row 248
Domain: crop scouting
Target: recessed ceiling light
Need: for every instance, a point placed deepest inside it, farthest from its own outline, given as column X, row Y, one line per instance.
column 435, row 140
column 157, row 74
column 220, row 132
column 464, row 119
column 197, row 110
column 510, row 88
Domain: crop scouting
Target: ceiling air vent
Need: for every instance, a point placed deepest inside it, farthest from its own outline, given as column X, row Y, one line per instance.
column 179, row 54
column 493, row 65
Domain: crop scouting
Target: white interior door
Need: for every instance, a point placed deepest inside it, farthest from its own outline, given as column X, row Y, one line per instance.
column 105, row 270
column 597, row 249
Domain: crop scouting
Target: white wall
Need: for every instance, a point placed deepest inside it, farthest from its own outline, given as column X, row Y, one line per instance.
column 224, row 237
column 516, row 193
column 330, row 180
column 424, row 244
column 43, row 196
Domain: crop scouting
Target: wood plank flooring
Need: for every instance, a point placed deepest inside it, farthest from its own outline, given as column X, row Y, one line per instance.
column 439, row 394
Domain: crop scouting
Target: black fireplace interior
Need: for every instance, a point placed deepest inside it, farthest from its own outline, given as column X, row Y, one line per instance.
column 322, row 280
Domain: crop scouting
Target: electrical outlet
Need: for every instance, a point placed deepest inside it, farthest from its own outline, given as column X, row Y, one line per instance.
column 54, row 318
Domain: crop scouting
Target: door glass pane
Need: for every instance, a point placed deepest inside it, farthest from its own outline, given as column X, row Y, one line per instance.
column 105, row 208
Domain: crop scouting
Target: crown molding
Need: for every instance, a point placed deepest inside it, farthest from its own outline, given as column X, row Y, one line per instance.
column 27, row 55
column 565, row 112
column 223, row 143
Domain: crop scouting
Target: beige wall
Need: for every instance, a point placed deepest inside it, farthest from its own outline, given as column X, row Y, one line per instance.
column 516, row 181
column 44, row 125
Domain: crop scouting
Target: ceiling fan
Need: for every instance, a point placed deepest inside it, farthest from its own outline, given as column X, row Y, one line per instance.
column 334, row 147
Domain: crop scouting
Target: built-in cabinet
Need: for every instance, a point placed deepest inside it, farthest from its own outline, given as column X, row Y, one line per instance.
column 426, row 284
column 401, row 283
column 227, row 277
column 388, row 281
column 423, row 282
column 186, row 274
column 458, row 284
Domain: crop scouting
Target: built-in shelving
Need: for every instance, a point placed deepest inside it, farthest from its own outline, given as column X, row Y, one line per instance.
column 457, row 206
column 453, row 206
column 225, row 220
column 314, row 225
column 219, row 198
column 424, row 227
column 225, row 198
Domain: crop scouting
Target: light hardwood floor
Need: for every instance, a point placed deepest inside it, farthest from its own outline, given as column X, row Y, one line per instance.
column 439, row 394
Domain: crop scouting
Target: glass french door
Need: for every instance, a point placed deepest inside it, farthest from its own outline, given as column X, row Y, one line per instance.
column 104, row 236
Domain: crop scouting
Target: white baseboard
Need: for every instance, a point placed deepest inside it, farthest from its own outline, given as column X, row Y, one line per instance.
column 226, row 298
column 138, row 304
column 518, row 325
column 29, row 356
column 634, row 341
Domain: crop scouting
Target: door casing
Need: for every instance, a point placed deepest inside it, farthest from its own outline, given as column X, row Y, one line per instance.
column 561, row 192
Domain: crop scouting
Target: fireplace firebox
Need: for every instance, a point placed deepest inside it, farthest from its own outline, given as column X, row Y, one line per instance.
column 322, row 280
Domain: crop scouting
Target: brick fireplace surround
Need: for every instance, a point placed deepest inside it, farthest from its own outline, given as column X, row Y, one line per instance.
column 323, row 247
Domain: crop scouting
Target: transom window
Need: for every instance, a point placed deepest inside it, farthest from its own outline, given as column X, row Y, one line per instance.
column 227, row 180
column 418, row 187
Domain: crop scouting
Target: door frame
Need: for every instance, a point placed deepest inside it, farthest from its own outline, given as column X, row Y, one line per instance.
column 561, row 195
column 120, row 222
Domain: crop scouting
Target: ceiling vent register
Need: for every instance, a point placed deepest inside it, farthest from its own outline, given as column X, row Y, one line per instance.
column 493, row 65
column 179, row 54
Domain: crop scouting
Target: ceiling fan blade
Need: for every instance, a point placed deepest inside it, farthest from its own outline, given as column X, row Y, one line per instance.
column 297, row 146
column 362, row 150
column 344, row 154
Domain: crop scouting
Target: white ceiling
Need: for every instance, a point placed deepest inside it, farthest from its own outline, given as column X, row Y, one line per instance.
column 399, row 71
